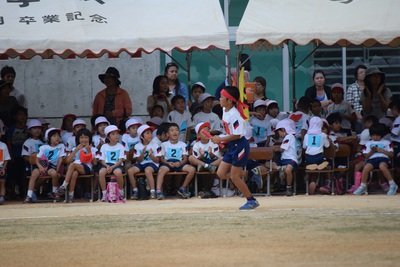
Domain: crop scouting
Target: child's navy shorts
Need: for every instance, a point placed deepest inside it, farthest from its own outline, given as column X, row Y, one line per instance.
column 237, row 153
column 111, row 164
column 314, row 159
column 284, row 162
column 179, row 169
column 376, row 161
column 142, row 167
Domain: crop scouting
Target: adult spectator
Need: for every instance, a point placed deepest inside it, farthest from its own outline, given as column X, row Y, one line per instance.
column 175, row 86
column 7, row 104
column 354, row 92
column 161, row 96
column 112, row 102
column 376, row 97
column 319, row 90
column 8, row 74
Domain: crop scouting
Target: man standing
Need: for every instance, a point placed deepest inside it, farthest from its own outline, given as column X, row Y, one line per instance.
column 8, row 74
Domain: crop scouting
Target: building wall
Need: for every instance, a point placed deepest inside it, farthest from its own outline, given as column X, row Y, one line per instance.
column 55, row 87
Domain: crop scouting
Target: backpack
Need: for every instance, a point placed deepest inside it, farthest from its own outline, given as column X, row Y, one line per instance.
column 339, row 186
column 113, row 191
column 142, row 190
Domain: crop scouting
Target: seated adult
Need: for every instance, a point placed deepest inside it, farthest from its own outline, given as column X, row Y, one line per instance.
column 112, row 102
column 319, row 90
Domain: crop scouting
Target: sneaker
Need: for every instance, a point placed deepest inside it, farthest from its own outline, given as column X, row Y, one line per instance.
column 159, row 195
column 28, row 200
column 289, row 191
column 70, row 199
column 183, row 192
column 135, row 195
column 311, row 188
column 385, row 186
column 212, row 169
column 57, row 196
column 200, row 168
column 257, row 178
column 153, row 195
column 104, row 198
column 51, row 195
column 325, row 190
column 34, row 197
column 360, row 190
column 392, row 190
column 250, row 204
column 351, row 190
column 2, row 200
column 61, row 190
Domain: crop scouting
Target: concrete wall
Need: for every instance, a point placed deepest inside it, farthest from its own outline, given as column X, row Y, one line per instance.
column 55, row 87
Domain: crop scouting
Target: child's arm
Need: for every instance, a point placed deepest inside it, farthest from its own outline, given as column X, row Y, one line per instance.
column 390, row 154
column 59, row 163
column 4, row 169
column 267, row 141
column 141, row 156
column 155, row 159
column 227, row 138
column 71, row 156
column 347, row 139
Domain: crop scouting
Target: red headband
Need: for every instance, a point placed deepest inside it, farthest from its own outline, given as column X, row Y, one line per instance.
column 239, row 104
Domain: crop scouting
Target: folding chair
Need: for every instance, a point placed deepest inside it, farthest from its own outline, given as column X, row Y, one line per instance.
column 378, row 171
column 263, row 154
column 343, row 152
column 329, row 154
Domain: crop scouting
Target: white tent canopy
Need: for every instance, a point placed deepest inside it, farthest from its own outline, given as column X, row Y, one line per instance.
column 343, row 22
column 80, row 27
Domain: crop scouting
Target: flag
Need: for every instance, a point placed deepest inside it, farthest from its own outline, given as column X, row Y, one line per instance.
column 242, row 94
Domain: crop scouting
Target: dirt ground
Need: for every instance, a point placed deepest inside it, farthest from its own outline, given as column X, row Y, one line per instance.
column 283, row 231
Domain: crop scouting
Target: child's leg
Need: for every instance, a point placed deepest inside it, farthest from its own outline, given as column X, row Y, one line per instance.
column 224, row 171
column 365, row 174
column 191, row 172
column 32, row 181
column 54, row 178
column 68, row 175
column 239, row 183
column 160, row 177
column 149, row 171
column 289, row 174
column 73, row 179
column 120, row 178
column 216, row 162
column 385, row 171
column 102, row 178
column 195, row 161
column 131, row 175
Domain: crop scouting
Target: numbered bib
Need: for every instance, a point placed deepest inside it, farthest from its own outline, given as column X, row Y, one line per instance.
column 174, row 153
column 258, row 131
column 112, row 156
column 314, row 141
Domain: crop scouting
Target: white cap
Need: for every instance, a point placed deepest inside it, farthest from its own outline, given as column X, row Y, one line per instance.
column 132, row 121
column 142, row 129
column 139, row 119
column 259, row 102
column 43, row 121
column 288, row 125
column 78, row 122
column 273, row 123
column 388, row 122
column 199, row 83
column 315, row 125
column 200, row 126
column 110, row 128
column 155, row 120
column 101, row 119
column 269, row 102
column 34, row 123
column 51, row 130
column 2, row 128
column 204, row 96
column 364, row 137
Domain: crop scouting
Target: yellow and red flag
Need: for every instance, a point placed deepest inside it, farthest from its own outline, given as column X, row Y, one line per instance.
column 243, row 96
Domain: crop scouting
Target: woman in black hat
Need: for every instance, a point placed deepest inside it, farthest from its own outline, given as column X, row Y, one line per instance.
column 112, row 102
column 376, row 97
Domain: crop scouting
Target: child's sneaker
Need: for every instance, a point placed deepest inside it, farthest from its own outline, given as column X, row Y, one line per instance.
column 200, row 168
column 70, row 199
column 326, row 190
column 159, row 195
column 257, row 178
column 212, row 168
column 360, row 190
column 250, row 204
column 289, row 191
column 135, row 195
column 384, row 186
column 61, row 190
column 183, row 192
column 152, row 195
column 2, row 200
column 28, row 200
column 104, row 198
column 392, row 190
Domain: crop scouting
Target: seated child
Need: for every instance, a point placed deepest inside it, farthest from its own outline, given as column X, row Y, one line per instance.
column 197, row 89
column 147, row 156
column 174, row 157
column 76, row 125
column 273, row 111
column 181, row 117
column 206, row 114
column 377, row 153
column 289, row 150
column 261, row 126
column 131, row 137
column 316, row 108
column 161, row 134
column 301, row 118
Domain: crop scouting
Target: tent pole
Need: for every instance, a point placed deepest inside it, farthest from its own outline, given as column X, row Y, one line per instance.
column 188, row 62
column 285, row 77
column 293, row 59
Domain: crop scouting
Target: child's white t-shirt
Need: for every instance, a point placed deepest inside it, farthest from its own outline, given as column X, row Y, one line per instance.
column 384, row 144
column 184, row 121
column 174, row 151
column 291, row 148
column 111, row 154
column 70, row 144
column 4, row 154
column 199, row 145
column 96, row 140
column 395, row 136
column 52, row 153
column 315, row 143
column 233, row 123
column 129, row 142
column 31, row 146
column 156, row 141
column 281, row 115
column 345, row 108
column 261, row 129
column 212, row 118
column 301, row 122
column 138, row 148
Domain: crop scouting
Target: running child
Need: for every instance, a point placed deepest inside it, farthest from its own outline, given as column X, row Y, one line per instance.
column 112, row 157
column 147, row 156
column 81, row 161
column 235, row 158
column 174, row 157
column 52, row 152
